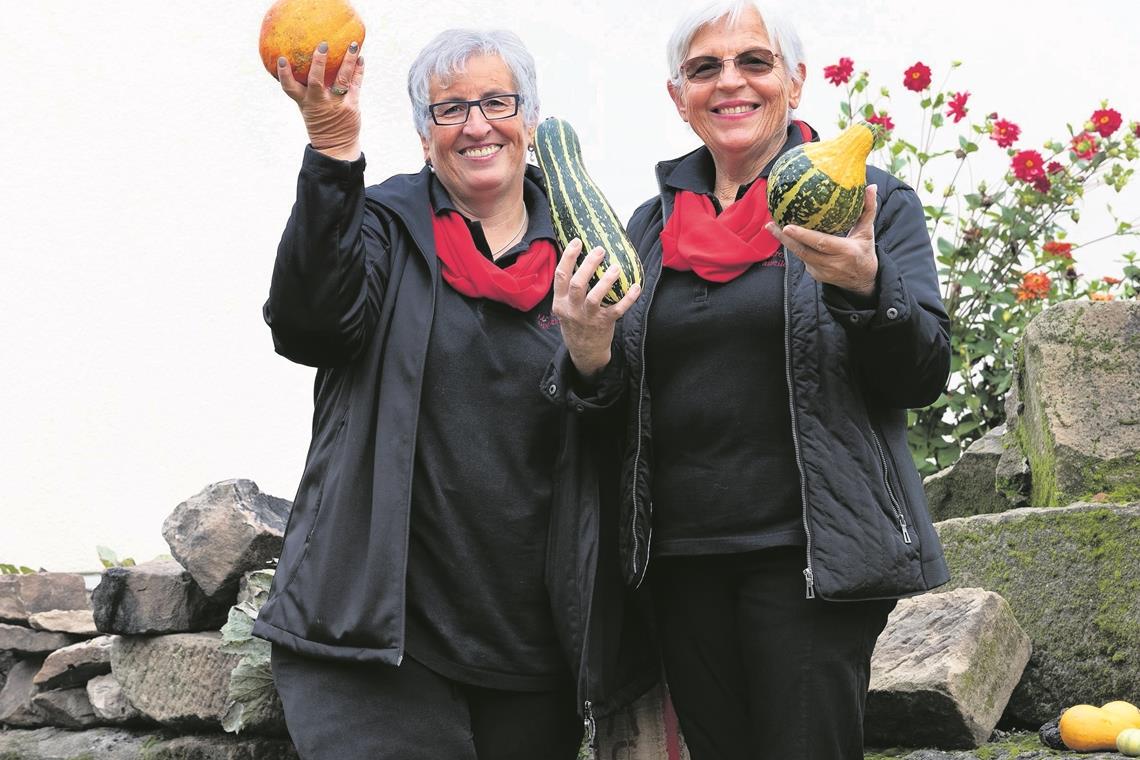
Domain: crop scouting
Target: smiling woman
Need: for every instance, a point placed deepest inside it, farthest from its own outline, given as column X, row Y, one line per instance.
column 434, row 587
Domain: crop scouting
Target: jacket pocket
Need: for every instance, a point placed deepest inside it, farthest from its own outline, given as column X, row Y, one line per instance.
column 891, row 483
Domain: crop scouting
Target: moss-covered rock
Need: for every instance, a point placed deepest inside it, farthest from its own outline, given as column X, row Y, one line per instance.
column 121, row 744
column 972, row 485
column 1076, row 413
column 1016, row 746
column 1072, row 576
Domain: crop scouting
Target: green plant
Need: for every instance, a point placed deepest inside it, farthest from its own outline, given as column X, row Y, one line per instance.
column 7, row 569
column 110, row 559
column 251, row 680
column 1005, row 247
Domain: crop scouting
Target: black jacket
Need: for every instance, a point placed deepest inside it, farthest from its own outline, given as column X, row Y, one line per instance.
column 852, row 373
column 353, row 294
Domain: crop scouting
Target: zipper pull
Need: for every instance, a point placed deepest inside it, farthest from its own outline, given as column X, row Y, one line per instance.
column 810, row 578
column 591, row 729
column 906, row 534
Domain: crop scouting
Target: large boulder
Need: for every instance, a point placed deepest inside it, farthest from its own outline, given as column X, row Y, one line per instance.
column 1075, row 407
column 181, row 680
column 16, row 708
column 67, row 708
column 972, row 485
column 23, row 640
column 121, row 744
column 227, row 530
column 75, row 665
column 1072, row 578
column 24, row 595
column 79, row 622
column 943, row 670
column 154, row 597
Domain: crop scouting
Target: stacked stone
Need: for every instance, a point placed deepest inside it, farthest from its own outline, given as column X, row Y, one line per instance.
column 143, row 652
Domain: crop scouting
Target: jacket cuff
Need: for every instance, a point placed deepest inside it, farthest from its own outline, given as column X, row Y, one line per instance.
column 325, row 167
column 887, row 305
column 562, row 384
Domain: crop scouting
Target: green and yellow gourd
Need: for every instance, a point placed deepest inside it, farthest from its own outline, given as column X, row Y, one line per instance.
column 579, row 208
column 820, row 185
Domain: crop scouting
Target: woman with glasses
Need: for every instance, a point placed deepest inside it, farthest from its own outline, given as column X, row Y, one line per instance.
column 431, row 596
column 769, row 371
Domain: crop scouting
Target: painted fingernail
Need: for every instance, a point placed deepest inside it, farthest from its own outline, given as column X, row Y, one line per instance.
column 323, row 47
column 353, row 48
column 281, row 62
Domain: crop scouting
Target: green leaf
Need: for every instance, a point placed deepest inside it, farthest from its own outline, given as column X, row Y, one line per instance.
column 966, row 145
column 252, row 696
column 936, row 119
column 107, row 557
column 845, row 109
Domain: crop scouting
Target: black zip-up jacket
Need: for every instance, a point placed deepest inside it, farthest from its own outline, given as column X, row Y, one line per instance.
column 353, row 294
column 852, row 373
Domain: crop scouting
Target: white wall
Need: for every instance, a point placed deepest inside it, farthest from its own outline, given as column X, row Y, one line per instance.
column 147, row 164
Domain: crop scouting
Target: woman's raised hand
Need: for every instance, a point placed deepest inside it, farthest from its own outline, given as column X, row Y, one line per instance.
column 331, row 114
column 587, row 324
column 846, row 262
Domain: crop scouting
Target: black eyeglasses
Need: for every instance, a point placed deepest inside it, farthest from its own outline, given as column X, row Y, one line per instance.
column 756, row 62
column 450, row 113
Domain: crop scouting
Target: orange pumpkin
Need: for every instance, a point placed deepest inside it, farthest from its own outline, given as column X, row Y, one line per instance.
column 294, row 28
column 1086, row 728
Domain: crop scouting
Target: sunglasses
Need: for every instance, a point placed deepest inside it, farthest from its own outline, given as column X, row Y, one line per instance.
column 756, row 62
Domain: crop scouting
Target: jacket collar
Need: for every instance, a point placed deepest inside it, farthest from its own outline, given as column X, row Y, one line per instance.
column 696, row 172
column 411, row 196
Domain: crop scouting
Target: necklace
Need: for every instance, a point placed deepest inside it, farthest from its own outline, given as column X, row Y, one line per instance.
column 517, row 236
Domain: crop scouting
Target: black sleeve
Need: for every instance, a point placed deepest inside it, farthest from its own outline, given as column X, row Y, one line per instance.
column 900, row 336
column 331, row 266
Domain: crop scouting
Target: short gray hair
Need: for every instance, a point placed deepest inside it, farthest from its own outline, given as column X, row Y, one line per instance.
column 780, row 31
column 447, row 55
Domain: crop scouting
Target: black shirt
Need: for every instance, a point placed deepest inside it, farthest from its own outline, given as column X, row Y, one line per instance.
column 725, row 472
column 478, row 610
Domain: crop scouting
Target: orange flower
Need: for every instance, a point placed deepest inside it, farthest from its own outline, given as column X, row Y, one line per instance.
column 1057, row 248
column 1034, row 286
column 1110, row 281
column 1102, row 297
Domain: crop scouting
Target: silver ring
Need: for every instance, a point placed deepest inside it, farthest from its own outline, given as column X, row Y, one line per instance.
column 336, row 89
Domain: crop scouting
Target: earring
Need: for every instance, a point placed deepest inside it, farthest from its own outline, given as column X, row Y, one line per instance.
column 430, row 166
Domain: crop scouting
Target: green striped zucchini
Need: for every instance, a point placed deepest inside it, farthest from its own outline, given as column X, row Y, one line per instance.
column 579, row 208
column 820, row 185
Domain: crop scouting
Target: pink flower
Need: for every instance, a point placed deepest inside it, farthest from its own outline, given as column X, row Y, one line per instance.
column 1028, row 165
column 917, row 77
column 1054, row 168
column 956, row 109
column 883, row 120
column 839, row 73
column 1004, row 133
column 1084, row 146
column 1106, row 121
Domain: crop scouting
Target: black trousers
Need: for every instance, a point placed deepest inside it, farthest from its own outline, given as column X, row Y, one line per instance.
column 755, row 669
column 349, row 711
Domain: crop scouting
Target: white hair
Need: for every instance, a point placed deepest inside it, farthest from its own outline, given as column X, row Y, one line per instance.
column 780, row 31
column 447, row 54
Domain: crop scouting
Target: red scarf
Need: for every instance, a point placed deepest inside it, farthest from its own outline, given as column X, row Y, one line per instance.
column 522, row 284
column 720, row 248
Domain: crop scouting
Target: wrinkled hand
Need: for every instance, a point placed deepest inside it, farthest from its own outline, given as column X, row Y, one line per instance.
column 587, row 324
column 333, row 120
column 846, row 262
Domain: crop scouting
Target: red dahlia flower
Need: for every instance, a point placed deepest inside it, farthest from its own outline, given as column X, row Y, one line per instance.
column 883, row 120
column 1085, row 145
column 1028, row 165
column 1042, row 184
column 1034, row 286
column 1054, row 168
column 1106, row 121
column 1057, row 248
column 839, row 73
column 957, row 106
column 917, row 77
column 1004, row 133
